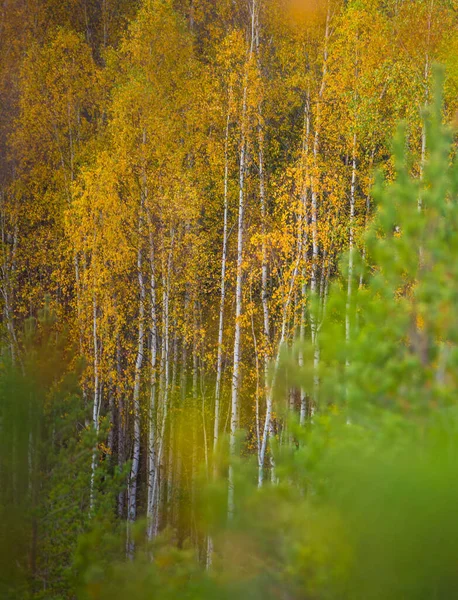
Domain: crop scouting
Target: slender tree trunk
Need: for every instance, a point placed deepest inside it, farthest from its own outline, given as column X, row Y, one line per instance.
column 304, row 208
column 170, row 465
column 194, row 421
column 132, row 490
column 96, row 404
column 258, row 381
column 9, row 246
column 165, row 387
column 265, row 304
column 238, row 314
column 171, row 496
column 235, row 388
column 121, row 425
column 314, row 219
column 219, row 362
column 264, row 262
column 350, row 253
column 152, row 466
column 305, row 225
column 180, row 413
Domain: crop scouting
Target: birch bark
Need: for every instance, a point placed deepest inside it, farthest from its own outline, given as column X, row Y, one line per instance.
column 96, row 403
column 152, row 466
column 238, row 314
column 351, row 250
column 132, row 488
column 219, row 363
column 314, row 217
column 164, row 389
column 239, row 279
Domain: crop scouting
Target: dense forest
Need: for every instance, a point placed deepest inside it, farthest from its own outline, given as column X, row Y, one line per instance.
column 229, row 292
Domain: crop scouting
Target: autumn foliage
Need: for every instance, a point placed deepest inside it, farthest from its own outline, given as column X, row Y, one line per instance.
column 182, row 183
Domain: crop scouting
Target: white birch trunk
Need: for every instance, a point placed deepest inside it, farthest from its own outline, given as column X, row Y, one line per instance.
column 305, row 149
column 164, row 391
column 96, row 403
column 238, row 314
column 350, row 252
column 132, row 488
column 152, row 466
column 219, row 363
column 121, row 425
column 314, row 219
column 238, row 286
column 172, row 432
column 219, row 360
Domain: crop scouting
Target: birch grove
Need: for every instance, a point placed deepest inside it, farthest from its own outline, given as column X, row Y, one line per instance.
column 180, row 181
